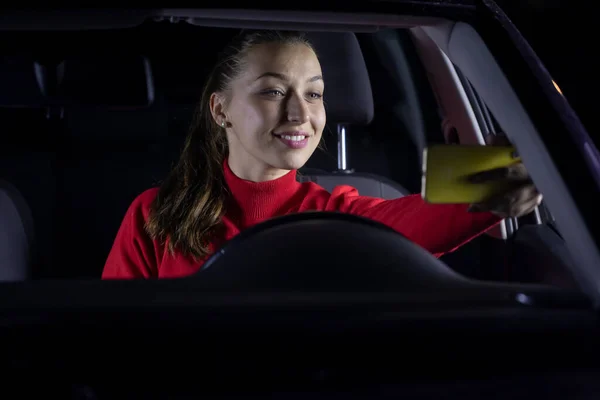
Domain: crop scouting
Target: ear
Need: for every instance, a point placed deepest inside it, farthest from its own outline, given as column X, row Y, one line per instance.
column 217, row 107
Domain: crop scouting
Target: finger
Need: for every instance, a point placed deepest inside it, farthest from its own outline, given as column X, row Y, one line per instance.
column 511, row 204
column 530, row 206
column 500, row 140
column 508, row 202
column 514, row 199
column 516, row 172
column 515, row 203
column 489, row 175
column 521, row 209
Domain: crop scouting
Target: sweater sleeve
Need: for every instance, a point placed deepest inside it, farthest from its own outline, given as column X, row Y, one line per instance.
column 440, row 229
column 133, row 254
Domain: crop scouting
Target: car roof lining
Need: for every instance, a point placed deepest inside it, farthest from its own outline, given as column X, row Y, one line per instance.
column 225, row 18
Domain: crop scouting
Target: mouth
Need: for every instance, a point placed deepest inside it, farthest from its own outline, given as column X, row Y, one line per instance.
column 293, row 140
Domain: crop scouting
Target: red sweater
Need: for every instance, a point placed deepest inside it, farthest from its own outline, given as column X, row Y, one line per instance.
column 437, row 228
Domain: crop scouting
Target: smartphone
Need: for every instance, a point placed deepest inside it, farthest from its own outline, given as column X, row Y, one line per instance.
column 446, row 169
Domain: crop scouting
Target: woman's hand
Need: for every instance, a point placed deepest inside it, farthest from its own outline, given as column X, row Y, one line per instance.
column 519, row 200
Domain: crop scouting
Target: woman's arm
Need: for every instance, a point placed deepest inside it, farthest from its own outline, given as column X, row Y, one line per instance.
column 439, row 229
column 443, row 228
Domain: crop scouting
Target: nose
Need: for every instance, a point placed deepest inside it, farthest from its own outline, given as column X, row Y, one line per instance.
column 297, row 110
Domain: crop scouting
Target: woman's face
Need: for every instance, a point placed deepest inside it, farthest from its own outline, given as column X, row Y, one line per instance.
column 274, row 111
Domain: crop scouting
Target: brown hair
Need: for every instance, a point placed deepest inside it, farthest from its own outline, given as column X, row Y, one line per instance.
column 191, row 201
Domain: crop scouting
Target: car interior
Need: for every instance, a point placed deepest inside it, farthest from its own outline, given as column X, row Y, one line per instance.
column 92, row 127
column 94, row 116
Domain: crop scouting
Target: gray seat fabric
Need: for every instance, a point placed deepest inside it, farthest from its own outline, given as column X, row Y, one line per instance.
column 16, row 235
column 349, row 97
column 349, row 102
column 23, row 89
column 366, row 184
column 118, row 144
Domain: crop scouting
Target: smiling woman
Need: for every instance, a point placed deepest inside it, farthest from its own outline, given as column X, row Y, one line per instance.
column 273, row 112
column 260, row 119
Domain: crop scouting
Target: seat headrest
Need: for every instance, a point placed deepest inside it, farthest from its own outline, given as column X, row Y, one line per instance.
column 96, row 124
column 22, row 81
column 106, row 80
column 348, row 94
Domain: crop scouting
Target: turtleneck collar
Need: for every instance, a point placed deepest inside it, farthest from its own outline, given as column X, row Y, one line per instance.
column 257, row 201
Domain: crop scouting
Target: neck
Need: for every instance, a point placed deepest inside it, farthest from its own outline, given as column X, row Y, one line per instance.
column 255, row 201
column 256, row 173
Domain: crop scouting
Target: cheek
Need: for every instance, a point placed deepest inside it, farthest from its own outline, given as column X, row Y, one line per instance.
column 319, row 119
column 257, row 117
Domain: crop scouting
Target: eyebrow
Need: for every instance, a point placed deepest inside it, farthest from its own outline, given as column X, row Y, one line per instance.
column 283, row 77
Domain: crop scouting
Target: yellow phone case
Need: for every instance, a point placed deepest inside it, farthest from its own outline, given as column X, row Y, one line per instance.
column 446, row 169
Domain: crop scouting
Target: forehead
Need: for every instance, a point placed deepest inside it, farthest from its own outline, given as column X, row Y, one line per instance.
column 294, row 60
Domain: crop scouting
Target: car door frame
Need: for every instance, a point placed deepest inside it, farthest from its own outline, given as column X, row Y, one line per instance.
column 517, row 108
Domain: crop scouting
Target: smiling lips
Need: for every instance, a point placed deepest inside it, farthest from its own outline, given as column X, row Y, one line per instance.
column 293, row 140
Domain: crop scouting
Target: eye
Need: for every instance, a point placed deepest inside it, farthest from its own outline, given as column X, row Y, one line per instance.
column 315, row 96
column 273, row 93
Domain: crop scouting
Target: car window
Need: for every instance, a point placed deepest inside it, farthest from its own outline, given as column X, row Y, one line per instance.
column 534, row 244
column 129, row 102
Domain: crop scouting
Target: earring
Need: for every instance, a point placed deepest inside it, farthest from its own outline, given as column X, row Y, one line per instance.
column 223, row 124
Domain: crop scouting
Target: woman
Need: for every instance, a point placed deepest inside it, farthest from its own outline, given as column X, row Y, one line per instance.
column 260, row 118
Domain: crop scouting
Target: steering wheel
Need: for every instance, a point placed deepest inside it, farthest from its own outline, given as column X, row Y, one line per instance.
column 326, row 251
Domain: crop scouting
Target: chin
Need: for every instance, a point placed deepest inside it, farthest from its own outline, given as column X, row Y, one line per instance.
column 291, row 162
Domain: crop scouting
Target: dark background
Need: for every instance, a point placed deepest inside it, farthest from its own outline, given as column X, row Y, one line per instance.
column 561, row 32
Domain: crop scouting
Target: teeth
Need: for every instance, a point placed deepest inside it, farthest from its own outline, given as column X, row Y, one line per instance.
column 293, row 138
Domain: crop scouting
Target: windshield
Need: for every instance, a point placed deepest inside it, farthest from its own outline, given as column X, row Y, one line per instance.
column 110, row 169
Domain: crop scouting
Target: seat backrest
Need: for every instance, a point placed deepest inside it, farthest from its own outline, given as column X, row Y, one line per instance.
column 366, row 184
column 116, row 146
column 16, row 234
column 349, row 104
column 125, row 123
column 27, row 161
